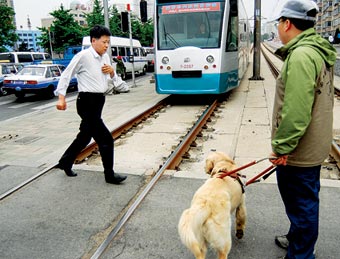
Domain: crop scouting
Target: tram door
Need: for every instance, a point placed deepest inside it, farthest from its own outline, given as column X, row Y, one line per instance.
column 232, row 44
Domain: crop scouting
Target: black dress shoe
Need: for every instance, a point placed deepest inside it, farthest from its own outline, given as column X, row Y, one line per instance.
column 114, row 178
column 68, row 171
column 282, row 241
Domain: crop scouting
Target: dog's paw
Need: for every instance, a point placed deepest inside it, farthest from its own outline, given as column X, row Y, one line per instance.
column 239, row 233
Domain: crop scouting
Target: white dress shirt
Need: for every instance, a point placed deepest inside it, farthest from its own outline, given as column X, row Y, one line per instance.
column 86, row 66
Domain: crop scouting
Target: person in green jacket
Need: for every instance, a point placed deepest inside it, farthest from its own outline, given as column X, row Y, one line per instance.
column 302, row 123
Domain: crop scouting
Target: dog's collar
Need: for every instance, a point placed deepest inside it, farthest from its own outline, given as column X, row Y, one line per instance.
column 232, row 174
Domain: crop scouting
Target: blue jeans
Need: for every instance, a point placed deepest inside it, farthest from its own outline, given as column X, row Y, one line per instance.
column 299, row 188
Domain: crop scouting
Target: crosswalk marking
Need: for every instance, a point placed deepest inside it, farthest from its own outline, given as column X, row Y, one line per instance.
column 40, row 107
column 5, row 102
column 20, row 105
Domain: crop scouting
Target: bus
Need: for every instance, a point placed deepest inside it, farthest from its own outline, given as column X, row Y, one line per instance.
column 24, row 57
column 71, row 51
column 201, row 46
column 121, row 47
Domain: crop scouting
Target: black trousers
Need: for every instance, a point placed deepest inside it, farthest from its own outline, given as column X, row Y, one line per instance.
column 89, row 108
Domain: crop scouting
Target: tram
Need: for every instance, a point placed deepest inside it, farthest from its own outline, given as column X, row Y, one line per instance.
column 201, row 46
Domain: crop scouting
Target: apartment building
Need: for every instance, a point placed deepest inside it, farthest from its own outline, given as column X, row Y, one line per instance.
column 328, row 19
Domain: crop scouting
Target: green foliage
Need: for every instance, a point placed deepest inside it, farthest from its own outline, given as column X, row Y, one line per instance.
column 96, row 17
column 115, row 23
column 65, row 31
column 146, row 33
column 8, row 37
column 23, row 46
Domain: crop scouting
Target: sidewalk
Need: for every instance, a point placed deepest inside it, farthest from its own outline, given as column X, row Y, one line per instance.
column 45, row 134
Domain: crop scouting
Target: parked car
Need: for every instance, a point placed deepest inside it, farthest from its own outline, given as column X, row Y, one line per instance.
column 2, row 92
column 150, row 56
column 8, row 69
column 38, row 79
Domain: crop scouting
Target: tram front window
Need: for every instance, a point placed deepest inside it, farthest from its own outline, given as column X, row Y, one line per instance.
column 194, row 24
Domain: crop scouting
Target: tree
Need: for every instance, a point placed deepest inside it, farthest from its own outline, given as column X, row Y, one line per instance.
column 8, row 37
column 23, row 46
column 141, row 31
column 64, row 30
column 96, row 17
column 115, row 23
column 147, row 33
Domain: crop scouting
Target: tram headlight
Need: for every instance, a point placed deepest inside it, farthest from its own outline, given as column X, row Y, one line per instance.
column 165, row 60
column 210, row 59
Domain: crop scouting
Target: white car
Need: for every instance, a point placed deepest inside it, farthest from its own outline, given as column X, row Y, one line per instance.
column 37, row 79
column 8, row 69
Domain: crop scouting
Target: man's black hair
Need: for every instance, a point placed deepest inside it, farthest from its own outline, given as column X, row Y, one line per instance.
column 99, row 30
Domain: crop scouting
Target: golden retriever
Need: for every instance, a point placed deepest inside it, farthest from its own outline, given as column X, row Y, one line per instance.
column 208, row 220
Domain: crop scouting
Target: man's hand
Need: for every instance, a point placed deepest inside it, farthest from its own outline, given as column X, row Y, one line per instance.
column 61, row 104
column 107, row 69
column 278, row 160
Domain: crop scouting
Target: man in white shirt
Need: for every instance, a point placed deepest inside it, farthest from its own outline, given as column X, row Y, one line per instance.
column 93, row 70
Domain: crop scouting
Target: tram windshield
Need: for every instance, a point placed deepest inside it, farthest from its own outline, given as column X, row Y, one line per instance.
column 190, row 24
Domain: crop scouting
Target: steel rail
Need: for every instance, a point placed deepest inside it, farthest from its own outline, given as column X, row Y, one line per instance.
column 92, row 146
column 172, row 161
column 122, row 129
column 335, row 153
column 23, row 184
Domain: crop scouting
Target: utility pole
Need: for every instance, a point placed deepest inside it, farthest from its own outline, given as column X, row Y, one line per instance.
column 132, row 57
column 107, row 25
column 29, row 26
column 49, row 37
column 257, row 41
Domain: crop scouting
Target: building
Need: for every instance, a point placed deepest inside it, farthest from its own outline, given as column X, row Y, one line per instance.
column 31, row 38
column 328, row 20
column 78, row 10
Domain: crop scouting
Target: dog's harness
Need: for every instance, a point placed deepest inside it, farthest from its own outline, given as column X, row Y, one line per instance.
column 233, row 173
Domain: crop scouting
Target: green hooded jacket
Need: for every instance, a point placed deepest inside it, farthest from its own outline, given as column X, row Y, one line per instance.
column 303, row 108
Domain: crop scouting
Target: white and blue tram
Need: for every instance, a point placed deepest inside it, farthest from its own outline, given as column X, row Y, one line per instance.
column 201, row 46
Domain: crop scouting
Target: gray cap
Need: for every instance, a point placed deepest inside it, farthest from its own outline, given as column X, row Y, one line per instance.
column 297, row 9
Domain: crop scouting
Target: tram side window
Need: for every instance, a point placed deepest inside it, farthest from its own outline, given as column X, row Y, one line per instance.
column 232, row 38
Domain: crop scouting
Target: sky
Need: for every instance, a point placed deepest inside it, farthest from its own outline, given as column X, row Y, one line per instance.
column 37, row 9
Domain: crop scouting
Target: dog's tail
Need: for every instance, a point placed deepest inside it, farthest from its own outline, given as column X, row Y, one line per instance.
column 191, row 232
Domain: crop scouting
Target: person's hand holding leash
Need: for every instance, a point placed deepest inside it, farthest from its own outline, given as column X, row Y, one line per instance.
column 278, row 160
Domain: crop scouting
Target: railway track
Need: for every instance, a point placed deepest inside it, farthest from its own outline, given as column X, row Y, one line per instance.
column 93, row 147
column 171, row 162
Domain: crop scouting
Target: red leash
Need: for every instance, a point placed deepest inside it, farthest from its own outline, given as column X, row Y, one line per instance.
column 265, row 173
column 271, row 170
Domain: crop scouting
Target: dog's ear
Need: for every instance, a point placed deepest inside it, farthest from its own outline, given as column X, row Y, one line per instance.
column 209, row 165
